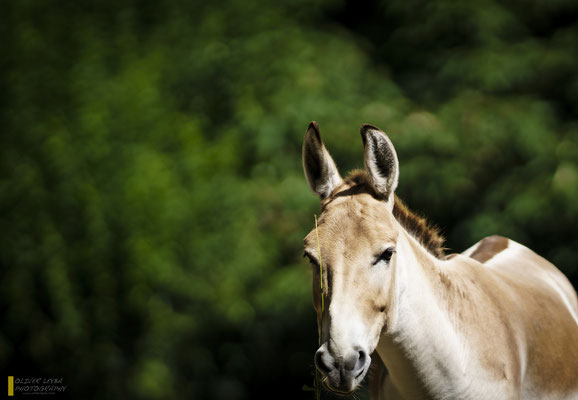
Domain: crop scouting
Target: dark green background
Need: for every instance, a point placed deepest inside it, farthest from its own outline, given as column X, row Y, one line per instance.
column 151, row 193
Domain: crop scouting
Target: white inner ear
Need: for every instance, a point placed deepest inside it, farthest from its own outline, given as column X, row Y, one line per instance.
column 333, row 179
column 385, row 184
column 378, row 180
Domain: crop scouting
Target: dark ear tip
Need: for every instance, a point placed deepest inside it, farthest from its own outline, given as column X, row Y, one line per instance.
column 368, row 127
column 365, row 128
column 313, row 125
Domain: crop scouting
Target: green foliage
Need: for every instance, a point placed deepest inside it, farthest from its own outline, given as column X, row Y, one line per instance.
column 151, row 193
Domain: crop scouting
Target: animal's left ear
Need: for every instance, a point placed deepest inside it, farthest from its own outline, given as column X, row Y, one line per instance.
column 380, row 161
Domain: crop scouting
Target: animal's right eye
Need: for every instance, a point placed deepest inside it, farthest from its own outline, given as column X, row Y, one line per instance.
column 385, row 255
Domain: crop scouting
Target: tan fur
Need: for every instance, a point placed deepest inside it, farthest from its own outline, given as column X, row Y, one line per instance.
column 495, row 322
column 527, row 316
column 489, row 247
column 358, row 182
column 517, row 326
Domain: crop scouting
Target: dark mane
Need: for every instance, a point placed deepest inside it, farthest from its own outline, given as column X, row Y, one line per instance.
column 427, row 235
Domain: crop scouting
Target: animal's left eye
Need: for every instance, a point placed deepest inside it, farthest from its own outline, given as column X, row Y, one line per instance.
column 386, row 255
column 311, row 260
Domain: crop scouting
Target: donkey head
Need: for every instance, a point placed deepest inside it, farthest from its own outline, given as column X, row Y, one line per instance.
column 353, row 253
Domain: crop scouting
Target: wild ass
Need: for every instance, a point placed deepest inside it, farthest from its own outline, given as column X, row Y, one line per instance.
column 495, row 322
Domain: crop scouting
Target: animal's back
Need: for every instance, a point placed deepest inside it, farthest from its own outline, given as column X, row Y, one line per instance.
column 545, row 306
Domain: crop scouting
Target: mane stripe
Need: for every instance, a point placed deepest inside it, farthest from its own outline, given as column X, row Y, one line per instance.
column 417, row 226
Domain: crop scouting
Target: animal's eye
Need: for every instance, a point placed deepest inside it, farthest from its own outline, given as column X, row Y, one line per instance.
column 386, row 255
column 311, row 260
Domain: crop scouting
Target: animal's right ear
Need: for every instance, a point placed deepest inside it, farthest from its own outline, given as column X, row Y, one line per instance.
column 320, row 169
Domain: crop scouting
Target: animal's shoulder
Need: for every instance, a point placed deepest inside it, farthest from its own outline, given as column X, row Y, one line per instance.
column 488, row 247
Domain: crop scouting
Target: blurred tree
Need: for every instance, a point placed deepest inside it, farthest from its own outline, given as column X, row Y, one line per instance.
column 151, row 194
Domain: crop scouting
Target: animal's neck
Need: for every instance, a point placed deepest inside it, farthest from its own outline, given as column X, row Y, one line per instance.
column 421, row 349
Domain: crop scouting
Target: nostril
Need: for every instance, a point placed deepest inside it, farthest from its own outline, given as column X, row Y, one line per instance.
column 323, row 361
column 360, row 364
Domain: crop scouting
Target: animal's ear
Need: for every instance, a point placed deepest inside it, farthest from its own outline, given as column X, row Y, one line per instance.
column 380, row 161
column 320, row 169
